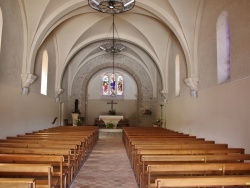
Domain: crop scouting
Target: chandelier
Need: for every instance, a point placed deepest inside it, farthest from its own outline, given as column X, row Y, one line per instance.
column 112, row 6
column 113, row 46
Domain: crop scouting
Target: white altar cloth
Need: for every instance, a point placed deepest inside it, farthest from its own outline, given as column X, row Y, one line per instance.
column 109, row 118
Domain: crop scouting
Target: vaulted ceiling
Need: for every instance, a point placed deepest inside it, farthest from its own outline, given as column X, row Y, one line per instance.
column 146, row 30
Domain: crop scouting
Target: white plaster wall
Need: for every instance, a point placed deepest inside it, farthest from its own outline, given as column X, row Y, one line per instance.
column 20, row 113
column 220, row 113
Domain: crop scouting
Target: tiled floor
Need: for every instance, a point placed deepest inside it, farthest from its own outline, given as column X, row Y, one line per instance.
column 107, row 167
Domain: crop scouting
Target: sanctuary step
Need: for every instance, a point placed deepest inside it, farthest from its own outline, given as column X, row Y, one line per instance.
column 122, row 123
column 110, row 133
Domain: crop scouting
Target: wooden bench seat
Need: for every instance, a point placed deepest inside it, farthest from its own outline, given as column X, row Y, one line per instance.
column 199, row 151
column 69, row 160
column 17, row 182
column 133, row 142
column 77, row 156
column 75, row 150
column 169, row 159
column 176, row 146
column 56, row 161
column 204, row 181
column 73, row 144
column 173, row 141
column 157, row 154
column 30, row 170
column 194, row 169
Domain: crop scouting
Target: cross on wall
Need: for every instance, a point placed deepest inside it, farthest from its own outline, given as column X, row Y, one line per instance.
column 112, row 104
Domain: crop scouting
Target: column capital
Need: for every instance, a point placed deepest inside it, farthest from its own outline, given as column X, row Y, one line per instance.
column 192, row 83
column 58, row 92
column 164, row 94
column 27, row 79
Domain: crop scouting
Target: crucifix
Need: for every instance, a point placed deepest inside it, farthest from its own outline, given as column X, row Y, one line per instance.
column 112, row 103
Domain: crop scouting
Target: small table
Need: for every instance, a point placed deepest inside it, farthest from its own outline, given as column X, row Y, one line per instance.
column 109, row 118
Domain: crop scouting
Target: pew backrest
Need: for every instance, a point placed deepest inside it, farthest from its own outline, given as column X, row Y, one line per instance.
column 205, row 181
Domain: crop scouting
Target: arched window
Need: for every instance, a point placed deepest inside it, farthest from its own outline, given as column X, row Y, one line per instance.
column 223, row 48
column 1, row 27
column 112, row 84
column 44, row 77
column 177, row 75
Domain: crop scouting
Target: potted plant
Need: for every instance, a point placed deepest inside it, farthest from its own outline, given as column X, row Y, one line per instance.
column 78, row 121
column 112, row 112
column 158, row 123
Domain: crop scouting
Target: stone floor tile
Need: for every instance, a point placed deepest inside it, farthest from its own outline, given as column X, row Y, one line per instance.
column 107, row 167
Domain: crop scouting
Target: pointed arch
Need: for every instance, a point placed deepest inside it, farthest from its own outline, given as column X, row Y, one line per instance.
column 44, row 75
column 223, row 48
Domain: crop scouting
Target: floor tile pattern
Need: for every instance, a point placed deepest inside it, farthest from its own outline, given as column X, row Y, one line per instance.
column 107, row 167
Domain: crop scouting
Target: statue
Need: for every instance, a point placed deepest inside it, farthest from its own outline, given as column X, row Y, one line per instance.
column 76, row 107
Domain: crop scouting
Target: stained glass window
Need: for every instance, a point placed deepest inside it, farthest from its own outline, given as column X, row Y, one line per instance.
column 119, row 85
column 105, row 83
column 112, row 84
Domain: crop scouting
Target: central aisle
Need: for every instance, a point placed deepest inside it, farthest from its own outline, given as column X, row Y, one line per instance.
column 107, row 167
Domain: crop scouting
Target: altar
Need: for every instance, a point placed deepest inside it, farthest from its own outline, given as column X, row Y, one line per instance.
column 110, row 118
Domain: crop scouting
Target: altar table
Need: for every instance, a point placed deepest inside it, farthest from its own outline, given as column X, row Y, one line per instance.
column 109, row 118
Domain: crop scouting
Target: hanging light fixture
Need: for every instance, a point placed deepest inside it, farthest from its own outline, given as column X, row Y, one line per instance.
column 113, row 49
column 112, row 6
column 114, row 45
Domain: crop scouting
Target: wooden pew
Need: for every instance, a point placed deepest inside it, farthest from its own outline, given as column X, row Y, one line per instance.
column 151, row 142
column 204, row 181
column 195, row 169
column 75, row 151
column 45, row 151
column 198, row 151
column 17, row 182
column 12, row 169
column 165, row 141
column 74, row 144
column 39, row 159
column 193, row 145
column 76, row 157
column 61, row 143
column 169, row 159
column 91, row 130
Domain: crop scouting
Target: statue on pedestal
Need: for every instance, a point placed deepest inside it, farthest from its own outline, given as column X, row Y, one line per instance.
column 75, row 114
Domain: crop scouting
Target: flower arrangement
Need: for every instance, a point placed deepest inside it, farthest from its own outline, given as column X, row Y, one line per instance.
column 110, row 125
column 159, row 122
column 112, row 112
column 78, row 121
